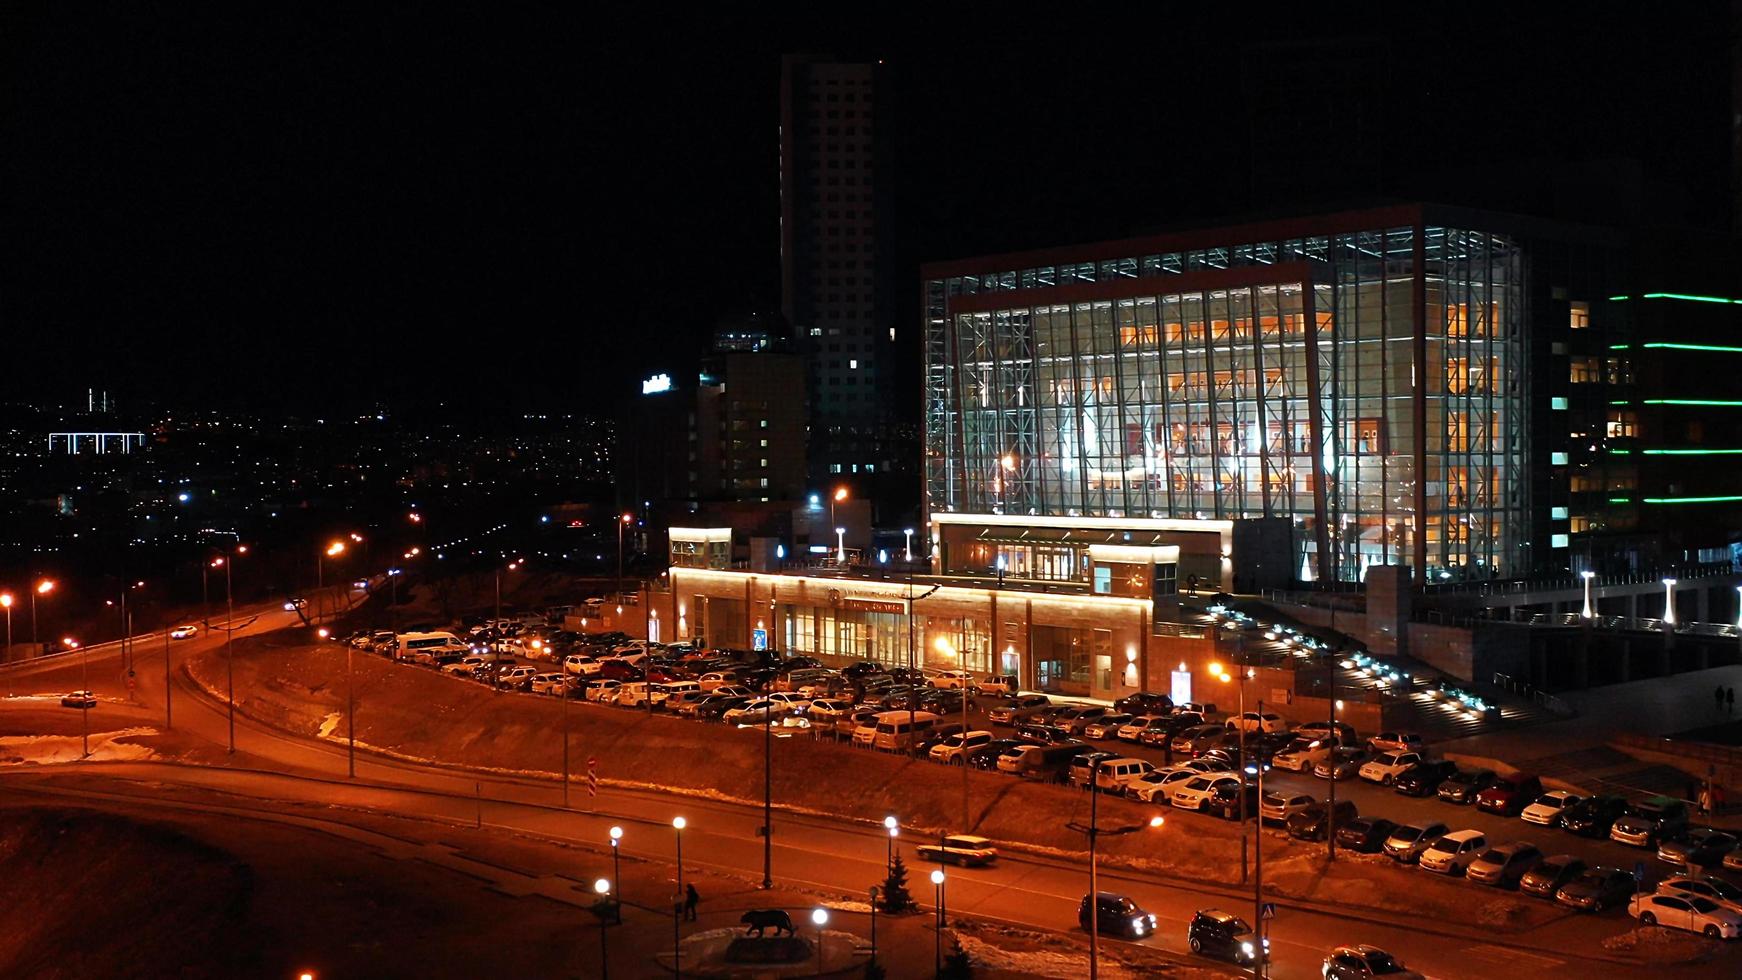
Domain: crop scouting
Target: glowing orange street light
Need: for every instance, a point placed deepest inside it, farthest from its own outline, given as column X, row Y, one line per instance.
column 44, row 587
column 336, row 548
column 69, row 643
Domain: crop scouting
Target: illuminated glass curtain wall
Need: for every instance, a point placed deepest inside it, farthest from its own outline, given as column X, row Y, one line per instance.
column 1200, row 404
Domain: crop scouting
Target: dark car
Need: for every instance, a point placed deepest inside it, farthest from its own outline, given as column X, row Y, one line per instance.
column 714, row 705
column 1044, row 734
column 1548, row 877
column 1462, row 787
column 1225, row 801
column 1144, row 703
column 986, row 756
column 1593, row 817
column 862, row 668
column 1313, row 822
column 1509, row 794
column 1365, row 835
column 1198, row 739
column 1597, row 889
column 1364, row 963
column 1116, row 914
column 1213, row 932
column 1649, row 821
column 1424, row 778
column 1697, row 847
column 1408, row 841
column 1261, row 746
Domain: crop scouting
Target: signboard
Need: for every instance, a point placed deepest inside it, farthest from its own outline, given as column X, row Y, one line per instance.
column 759, row 639
column 656, row 384
column 1182, row 686
column 1268, row 912
column 875, row 605
column 1639, row 871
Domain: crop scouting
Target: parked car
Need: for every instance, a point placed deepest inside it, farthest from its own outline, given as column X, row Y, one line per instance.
column 1550, row 875
column 1342, row 763
column 1144, row 703
column 1461, row 787
column 1019, row 709
column 1213, row 932
column 1225, row 801
column 1192, row 794
column 1597, row 889
column 1365, row 835
column 1134, row 728
column 1159, row 785
column 1302, row 754
column 603, row 691
column 1408, row 841
column 1593, row 816
column 1424, row 778
column 1509, row 794
column 1704, row 886
column 1503, row 864
column 961, row 849
column 517, row 678
column 996, row 684
column 1277, row 806
column 1083, row 765
column 1397, row 742
column 1105, row 727
column 1116, row 914
column 1067, row 716
column 183, row 632
column 1364, row 962
column 83, row 700
column 954, row 749
column 1701, row 915
column 952, row 679
column 1117, row 774
column 1385, row 767
column 1343, row 731
column 548, row 684
column 1254, row 721
column 717, row 678
column 1649, row 821
column 1044, row 734
column 1699, row 847
column 1314, row 822
column 1196, row 740
column 1546, row 809
column 1453, row 852
column 987, row 756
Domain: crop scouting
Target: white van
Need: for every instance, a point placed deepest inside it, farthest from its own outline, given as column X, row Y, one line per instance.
column 896, row 730
column 425, row 647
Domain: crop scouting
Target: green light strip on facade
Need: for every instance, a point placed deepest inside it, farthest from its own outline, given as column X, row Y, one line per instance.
column 1687, row 401
column 1619, row 346
column 1692, row 299
column 1691, row 500
column 1617, row 299
column 1625, row 403
column 1620, row 452
column 1620, row 500
column 1721, row 350
column 1693, row 452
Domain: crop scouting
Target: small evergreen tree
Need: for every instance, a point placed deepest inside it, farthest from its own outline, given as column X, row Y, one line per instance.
column 957, row 965
column 895, row 896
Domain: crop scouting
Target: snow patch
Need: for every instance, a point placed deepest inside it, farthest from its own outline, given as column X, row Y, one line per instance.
column 45, row 750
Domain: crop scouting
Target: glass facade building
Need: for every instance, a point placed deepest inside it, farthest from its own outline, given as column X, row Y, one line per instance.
column 1363, row 374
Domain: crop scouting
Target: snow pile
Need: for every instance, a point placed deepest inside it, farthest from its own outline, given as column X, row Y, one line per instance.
column 1655, row 944
column 45, row 750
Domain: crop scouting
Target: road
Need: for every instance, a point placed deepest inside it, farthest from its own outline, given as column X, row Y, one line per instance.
column 826, row 854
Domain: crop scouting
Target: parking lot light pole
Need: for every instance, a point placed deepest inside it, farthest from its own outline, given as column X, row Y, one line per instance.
column 677, row 824
column 894, row 827
column 1258, row 966
column 937, row 881
column 1336, row 743
column 616, row 865
column 603, row 887
column 821, row 918
column 1094, row 831
column 874, row 891
column 768, row 795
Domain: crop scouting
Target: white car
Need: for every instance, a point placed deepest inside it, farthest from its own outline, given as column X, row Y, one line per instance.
column 513, row 677
column 1276, row 806
column 829, row 710
column 1302, row 754
column 465, row 665
column 549, row 683
column 950, row 679
column 1691, row 912
column 756, row 712
column 1253, row 721
column 183, row 632
column 1704, row 886
column 1387, row 766
column 952, row 750
column 580, row 663
column 791, row 701
column 1160, row 785
column 1454, row 853
column 1193, row 792
column 730, row 690
column 1546, row 809
column 604, row 692
column 717, row 678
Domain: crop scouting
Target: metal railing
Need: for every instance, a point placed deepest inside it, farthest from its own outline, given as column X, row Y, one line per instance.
column 1574, row 583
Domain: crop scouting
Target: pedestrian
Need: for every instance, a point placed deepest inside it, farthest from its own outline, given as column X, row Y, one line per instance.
column 1718, row 697
column 690, row 898
column 1730, row 700
column 1705, row 801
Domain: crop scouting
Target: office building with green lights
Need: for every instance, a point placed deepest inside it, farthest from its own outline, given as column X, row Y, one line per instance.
column 1472, row 395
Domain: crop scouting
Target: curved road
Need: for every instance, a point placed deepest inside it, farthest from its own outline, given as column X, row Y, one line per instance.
column 817, row 852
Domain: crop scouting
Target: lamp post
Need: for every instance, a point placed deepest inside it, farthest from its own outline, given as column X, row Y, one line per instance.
column 874, row 891
column 1588, row 575
column 677, row 824
column 1226, row 678
column 6, row 602
column 1331, row 813
column 937, row 943
column 1258, row 964
column 839, row 495
column 1669, row 602
column 1094, row 831
column 894, row 827
column 840, row 545
column 84, row 693
column 43, row 587
column 768, row 795
column 622, row 523
column 333, row 550
column 907, row 552
column 821, row 918
column 616, row 864
column 603, row 888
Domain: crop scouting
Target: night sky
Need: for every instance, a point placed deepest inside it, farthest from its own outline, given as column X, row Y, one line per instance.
column 318, row 208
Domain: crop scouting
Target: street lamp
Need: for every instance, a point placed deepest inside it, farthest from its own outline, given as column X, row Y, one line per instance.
column 937, row 941
column 840, row 495
column 603, row 888
column 841, row 545
column 616, row 863
column 677, row 824
column 907, row 553
column 894, row 827
column 43, row 587
column 1588, row 575
column 1222, row 674
column 621, row 524
column 821, row 918
column 1095, row 831
column 6, row 601
column 333, row 550
column 1669, row 602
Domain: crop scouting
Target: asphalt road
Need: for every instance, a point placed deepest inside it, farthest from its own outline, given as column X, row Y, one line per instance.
column 819, row 852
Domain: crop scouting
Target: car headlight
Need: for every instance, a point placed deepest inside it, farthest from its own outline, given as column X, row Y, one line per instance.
column 1246, row 949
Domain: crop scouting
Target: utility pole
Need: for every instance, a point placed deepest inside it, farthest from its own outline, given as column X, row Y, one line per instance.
column 1258, row 964
column 166, row 688
column 229, row 652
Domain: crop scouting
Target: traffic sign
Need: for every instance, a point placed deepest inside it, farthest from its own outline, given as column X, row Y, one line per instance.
column 1268, row 911
column 592, row 776
column 1639, row 871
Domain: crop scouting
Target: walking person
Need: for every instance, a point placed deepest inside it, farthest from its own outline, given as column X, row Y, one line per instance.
column 1705, row 801
column 690, row 899
column 1730, row 700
